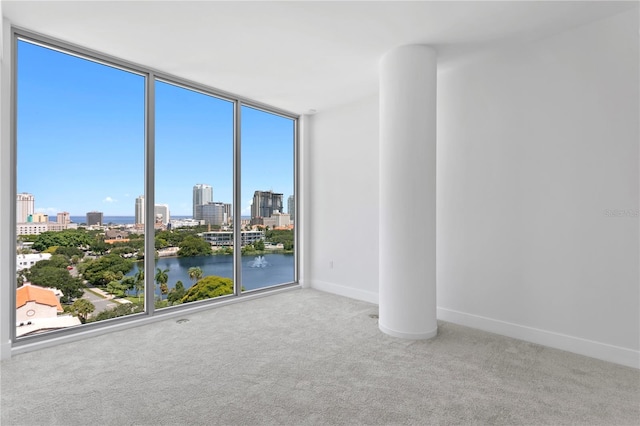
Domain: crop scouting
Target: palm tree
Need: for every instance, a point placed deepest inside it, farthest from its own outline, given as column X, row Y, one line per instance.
column 161, row 278
column 108, row 276
column 139, row 286
column 82, row 308
column 195, row 273
column 164, row 289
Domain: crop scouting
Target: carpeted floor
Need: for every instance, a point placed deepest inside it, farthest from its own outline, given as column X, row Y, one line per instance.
column 305, row 357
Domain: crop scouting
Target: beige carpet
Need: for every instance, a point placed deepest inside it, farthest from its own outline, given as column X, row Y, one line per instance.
column 309, row 358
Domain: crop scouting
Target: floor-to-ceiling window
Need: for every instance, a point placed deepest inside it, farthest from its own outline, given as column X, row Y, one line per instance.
column 193, row 195
column 268, row 217
column 126, row 189
column 80, row 164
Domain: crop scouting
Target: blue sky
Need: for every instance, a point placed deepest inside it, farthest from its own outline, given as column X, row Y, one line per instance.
column 81, row 140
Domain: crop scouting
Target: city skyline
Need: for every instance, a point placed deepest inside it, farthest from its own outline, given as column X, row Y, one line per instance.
column 81, row 140
column 137, row 211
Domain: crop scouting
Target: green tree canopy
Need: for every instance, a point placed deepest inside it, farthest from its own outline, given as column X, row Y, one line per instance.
column 55, row 261
column 94, row 271
column 116, row 288
column 177, row 293
column 209, row 287
column 194, row 246
column 69, row 252
column 66, row 238
column 82, row 308
column 171, row 238
column 281, row 236
column 59, row 278
column 120, row 310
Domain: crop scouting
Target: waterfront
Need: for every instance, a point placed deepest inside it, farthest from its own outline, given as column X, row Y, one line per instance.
column 276, row 269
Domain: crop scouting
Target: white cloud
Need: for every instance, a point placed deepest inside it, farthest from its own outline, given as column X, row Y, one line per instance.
column 109, row 200
column 48, row 210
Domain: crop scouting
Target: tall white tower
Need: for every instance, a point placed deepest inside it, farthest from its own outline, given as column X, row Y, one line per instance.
column 140, row 210
column 25, row 206
column 202, row 194
column 161, row 212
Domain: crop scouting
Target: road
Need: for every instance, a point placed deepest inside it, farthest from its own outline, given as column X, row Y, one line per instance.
column 99, row 302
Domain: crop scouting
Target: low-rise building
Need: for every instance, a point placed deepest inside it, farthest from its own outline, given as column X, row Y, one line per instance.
column 184, row 223
column 225, row 238
column 31, row 228
column 26, row 261
column 38, row 309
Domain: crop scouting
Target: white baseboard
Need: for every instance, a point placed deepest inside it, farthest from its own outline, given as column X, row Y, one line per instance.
column 577, row 345
column 590, row 348
column 353, row 293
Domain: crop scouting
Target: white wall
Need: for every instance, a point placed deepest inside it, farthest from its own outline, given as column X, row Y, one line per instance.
column 343, row 201
column 535, row 146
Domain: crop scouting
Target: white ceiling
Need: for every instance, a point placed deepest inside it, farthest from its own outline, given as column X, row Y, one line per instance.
column 295, row 55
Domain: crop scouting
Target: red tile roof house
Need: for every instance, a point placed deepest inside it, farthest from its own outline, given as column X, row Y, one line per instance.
column 38, row 309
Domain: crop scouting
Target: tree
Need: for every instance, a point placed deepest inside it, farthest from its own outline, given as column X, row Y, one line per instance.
column 55, row 261
column 66, row 238
column 209, row 287
column 194, row 246
column 129, row 283
column 82, row 308
column 161, row 278
column 176, row 293
column 164, row 290
column 281, row 236
column 139, row 286
column 116, row 288
column 120, row 310
column 94, row 271
column 98, row 246
column 259, row 245
column 195, row 273
column 160, row 243
column 59, row 278
column 68, row 252
column 109, row 276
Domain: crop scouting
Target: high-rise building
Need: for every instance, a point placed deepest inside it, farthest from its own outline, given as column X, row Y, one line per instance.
column 94, row 218
column 139, row 212
column 202, row 194
column 212, row 213
column 161, row 213
column 264, row 203
column 291, row 207
column 63, row 218
column 228, row 211
column 25, row 206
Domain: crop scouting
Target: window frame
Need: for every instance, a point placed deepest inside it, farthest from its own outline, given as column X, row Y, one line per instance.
column 150, row 314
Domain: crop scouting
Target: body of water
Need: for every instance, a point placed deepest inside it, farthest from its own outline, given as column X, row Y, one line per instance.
column 125, row 220
column 257, row 272
column 117, row 220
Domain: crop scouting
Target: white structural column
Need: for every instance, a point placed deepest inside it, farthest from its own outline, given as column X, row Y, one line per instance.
column 408, row 192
